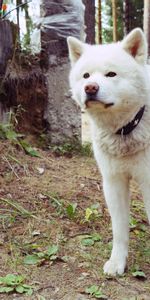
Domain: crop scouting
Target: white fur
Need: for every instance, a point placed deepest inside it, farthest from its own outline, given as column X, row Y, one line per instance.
column 119, row 158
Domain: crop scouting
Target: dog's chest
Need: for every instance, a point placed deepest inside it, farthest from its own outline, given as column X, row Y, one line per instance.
column 120, row 146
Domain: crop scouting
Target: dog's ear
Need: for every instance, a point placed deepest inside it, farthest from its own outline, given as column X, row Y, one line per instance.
column 135, row 44
column 76, row 48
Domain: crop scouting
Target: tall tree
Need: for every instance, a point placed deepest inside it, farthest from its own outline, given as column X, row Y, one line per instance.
column 90, row 20
column 114, row 16
column 134, row 17
column 99, row 22
column 65, row 18
column 133, row 14
column 127, row 17
column 147, row 22
column 1, row 3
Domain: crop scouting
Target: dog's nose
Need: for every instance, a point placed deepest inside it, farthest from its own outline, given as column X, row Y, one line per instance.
column 91, row 88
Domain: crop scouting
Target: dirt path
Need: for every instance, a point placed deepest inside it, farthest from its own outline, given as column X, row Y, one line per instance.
column 46, row 187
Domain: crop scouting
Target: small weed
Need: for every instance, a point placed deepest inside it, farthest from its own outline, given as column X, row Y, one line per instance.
column 90, row 240
column 7, row 131
column 86, row 149
column 91, row 212
column 40, row 257
column 71, row 210
column 96, row 292
column 29, row 149
column 68, row 149
column 12, row 203
column 133, row 223
column 15, row 283
column 57, row 203
column 138, row 273
column 62, row 208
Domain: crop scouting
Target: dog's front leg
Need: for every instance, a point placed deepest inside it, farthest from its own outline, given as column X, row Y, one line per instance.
column 116, row 191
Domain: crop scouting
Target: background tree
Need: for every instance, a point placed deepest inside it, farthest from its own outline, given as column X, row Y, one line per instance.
column 1, row 3
column 99, row 22
column 129, row 15
column 114, row 17
column 133, row 14
column 127, row 18
column 107, row 20
column 147, row 22
column 90, row 20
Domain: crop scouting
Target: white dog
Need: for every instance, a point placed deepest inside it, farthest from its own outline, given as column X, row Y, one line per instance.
column 112, row 83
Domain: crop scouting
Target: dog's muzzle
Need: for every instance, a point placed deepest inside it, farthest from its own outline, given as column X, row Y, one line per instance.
column 91, row 90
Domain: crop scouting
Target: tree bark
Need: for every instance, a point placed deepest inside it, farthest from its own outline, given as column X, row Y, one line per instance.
column 147, row 22
column 6, row 45
column 127, row 16
column 62, row 18
column 114, row 16
column 99, row 25
column 1, row 3
column 90, row 21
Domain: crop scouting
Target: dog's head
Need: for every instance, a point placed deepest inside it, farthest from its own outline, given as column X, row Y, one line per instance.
column 109, row 77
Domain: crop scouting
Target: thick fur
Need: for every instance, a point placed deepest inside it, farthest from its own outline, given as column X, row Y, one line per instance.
column 119, row 157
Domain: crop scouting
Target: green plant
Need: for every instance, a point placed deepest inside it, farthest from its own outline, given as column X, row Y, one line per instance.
column 90, row 240
column 91, row 212
column 39, row 257
column 70, row 148
column 71, row 210
column 15, row 283
column 28, row 148
column 95, row 291
column 86, row 149
column 12, row 203
column 57, row 203
column 138, row 273
column 8, row 131
column 133, row 223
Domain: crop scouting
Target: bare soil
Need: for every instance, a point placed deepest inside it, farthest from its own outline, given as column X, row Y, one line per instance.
column 45, row 186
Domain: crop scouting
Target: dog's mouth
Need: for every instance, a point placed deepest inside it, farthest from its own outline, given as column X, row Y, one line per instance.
column 91, row 103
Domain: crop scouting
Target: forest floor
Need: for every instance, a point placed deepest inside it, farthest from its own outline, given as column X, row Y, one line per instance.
column 55, row 230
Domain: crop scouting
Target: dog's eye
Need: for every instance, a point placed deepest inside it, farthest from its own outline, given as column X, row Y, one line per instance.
column 111, row 74
column 86, row 75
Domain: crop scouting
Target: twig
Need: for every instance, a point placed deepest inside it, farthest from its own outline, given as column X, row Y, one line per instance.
column 18, row 207
column 45, row 287
column 15, row 8
column 127, row 284
column 5, row 159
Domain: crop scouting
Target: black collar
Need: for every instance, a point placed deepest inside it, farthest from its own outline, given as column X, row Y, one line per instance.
column 131, row 125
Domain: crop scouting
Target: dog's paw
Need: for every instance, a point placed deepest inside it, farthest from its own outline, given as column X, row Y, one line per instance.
column 114, row 267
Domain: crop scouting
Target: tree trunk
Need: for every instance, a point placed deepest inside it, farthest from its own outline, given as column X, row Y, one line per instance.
column 127, row 16
column 6, row 45
column 1, row 3
column 62, row 18
column 147, row 22
column 114, row 16
column 90, row 21
column 6, row 52
column 99, row 23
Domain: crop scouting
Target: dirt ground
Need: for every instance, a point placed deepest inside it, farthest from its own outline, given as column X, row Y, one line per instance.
column 48, row 200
